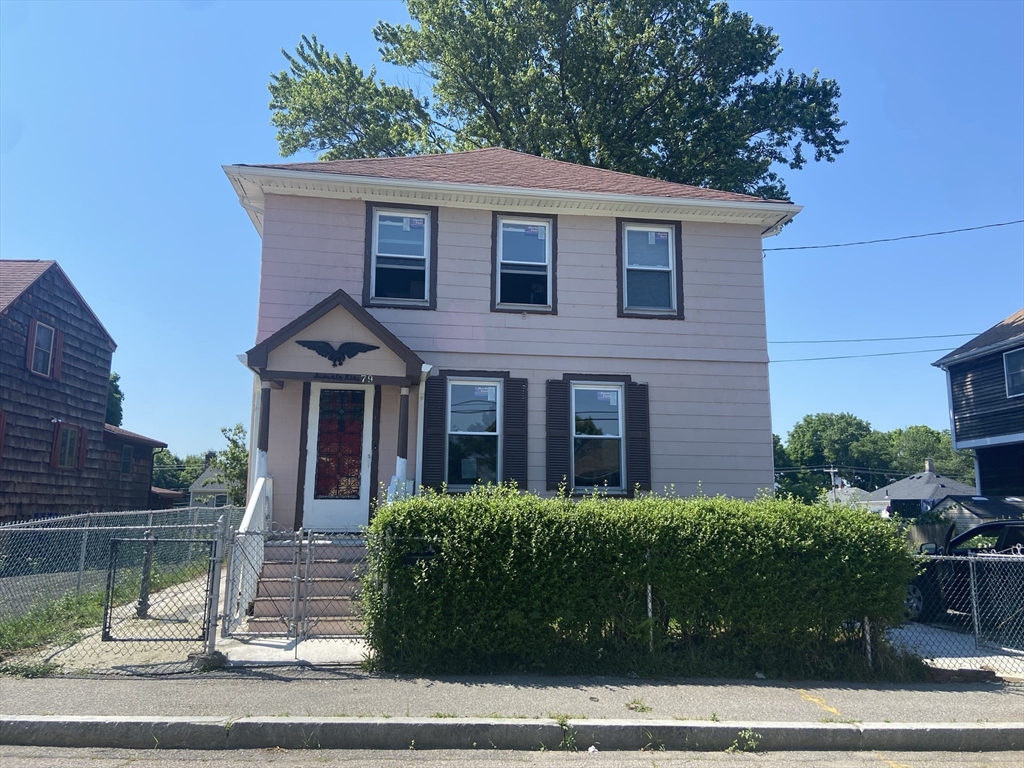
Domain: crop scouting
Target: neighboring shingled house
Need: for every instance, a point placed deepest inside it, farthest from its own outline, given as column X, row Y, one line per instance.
column 913, row 495
column 487, row 316
column 56, row 453
column 985, row 379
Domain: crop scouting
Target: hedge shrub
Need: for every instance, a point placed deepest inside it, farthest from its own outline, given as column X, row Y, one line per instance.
column 496, row 581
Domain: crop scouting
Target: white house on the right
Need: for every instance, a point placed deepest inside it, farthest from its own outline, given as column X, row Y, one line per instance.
column 985, row 381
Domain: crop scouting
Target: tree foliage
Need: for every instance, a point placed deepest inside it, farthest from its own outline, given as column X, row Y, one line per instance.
column 115, row 400
column 175, row 473
column 864, row 457
column 681, row 90
column 232, row 464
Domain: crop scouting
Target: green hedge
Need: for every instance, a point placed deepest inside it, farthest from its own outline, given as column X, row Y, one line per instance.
column 521, row 583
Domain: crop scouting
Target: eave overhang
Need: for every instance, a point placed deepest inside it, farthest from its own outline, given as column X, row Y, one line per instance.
column 1003, row 346
column 252, row 184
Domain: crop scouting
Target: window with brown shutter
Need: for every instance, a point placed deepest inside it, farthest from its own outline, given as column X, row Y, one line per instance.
column 598, row 434
column 69, row 446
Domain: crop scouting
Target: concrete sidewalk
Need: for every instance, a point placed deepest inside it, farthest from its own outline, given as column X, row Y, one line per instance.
column 293, row 707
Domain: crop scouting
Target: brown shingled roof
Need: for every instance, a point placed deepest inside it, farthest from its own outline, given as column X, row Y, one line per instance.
column 498, row 167
column 1001, row 333
column 16, row 276
column 131, row 437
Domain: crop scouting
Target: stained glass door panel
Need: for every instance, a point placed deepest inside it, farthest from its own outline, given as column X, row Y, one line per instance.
column 339, row 449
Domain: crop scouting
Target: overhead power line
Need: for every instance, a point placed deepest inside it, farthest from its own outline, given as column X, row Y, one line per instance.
column 848, row 357
column 894, row 239
column 889, row 338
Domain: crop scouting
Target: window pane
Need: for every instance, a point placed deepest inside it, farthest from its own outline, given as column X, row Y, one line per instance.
column 597, row 411
column 44, row 337
column 400, row 282
column 401, row 235
column 1015, row 373
column 524, row 242
column 647, row 248
column 68, row 442
column 519, row 287
column 474, row 408
column 596, row 462
column 43, row 349
column 472, row 459
column 41, row 361
column 652, row 290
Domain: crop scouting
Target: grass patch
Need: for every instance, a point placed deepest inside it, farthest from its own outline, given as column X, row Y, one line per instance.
column 637, row 705
column 57, row 621
column 29, row 669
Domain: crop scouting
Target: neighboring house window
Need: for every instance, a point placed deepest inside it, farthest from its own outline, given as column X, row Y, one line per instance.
column 524, row 255
column 69, row 446
column 598, row 434
column 474, row 429
column 1013, row 363
column 474, row 432
column 400, row 256
column 650, row 269
column 43, row 354
column 221, row 500
column 126, row 459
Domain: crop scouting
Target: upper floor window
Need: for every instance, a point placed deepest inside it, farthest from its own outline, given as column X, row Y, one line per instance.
column 650, row 269
column 524, row 259
column 43, row 351
column 1013, row 364
column 400, row 257
column 474, row 432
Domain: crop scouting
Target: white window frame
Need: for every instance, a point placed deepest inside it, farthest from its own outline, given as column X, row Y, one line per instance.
column 49, row 352
column 1006, row 371
column 672, row 258
column 547, row 224
column 499, row 417
column 375, row 252
column 573, row 386
column 67, row 429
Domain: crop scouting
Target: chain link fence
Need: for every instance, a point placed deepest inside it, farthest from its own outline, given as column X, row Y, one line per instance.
column 66, row 582
column 967, row 613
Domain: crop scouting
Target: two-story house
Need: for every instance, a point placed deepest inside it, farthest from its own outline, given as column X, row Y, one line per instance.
column 985, row 381
column 490, row 315
column 57, row 454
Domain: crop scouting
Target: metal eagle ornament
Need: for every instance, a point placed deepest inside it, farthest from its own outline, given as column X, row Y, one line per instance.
column 345, row 351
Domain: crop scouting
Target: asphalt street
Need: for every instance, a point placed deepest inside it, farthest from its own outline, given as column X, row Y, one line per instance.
column 35, row 757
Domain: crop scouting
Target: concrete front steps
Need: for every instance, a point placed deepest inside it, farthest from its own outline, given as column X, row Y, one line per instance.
column 328, row 587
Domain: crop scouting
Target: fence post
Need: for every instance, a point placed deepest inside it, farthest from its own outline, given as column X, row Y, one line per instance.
column 142, row 609
column 220, row 533
column 81, row 555
column 867, row 642
column 974, row 600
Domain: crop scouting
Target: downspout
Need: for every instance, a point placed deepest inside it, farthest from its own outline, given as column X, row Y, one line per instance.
column 424, row 375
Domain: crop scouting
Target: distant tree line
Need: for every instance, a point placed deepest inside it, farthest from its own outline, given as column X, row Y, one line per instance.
column 863, row 457
column 232, row 464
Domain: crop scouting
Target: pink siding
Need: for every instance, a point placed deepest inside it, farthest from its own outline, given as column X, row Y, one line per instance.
column 708, row 374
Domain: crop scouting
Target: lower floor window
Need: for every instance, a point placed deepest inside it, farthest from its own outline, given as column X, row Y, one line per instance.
column 597, row 455
column 473, row 432
column 68, row 447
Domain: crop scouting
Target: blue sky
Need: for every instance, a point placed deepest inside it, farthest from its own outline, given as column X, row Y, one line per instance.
column 115, row 119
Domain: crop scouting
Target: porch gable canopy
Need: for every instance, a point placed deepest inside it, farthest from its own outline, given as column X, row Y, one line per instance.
column 337, row 320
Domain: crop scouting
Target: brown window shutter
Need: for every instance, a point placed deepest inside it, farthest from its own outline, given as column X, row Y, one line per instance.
column 514, row 432
column 558, row 438
column 638, row 438
column 58, row 353
column 55, row 451
column 31, row 343
column 83, row 446
column 434, row 397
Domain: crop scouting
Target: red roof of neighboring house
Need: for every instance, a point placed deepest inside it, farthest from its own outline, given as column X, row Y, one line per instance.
column 17, row 276
column 497, row 167
column 131, row 437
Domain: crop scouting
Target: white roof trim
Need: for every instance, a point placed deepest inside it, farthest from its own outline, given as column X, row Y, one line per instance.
column 252, row 184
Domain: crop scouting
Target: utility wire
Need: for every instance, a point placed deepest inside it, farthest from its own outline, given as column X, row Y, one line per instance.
column 894, row 239
column 848, row 357
column 889, row 338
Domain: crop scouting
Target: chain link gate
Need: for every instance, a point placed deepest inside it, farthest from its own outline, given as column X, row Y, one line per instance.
column 300, row 585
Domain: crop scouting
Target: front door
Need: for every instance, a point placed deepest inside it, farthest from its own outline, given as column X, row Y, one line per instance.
column 338, row 453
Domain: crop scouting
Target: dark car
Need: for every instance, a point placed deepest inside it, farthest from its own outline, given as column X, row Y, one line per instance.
column 945, row 585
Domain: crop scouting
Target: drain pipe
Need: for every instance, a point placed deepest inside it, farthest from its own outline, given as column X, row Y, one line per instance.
column 424, row 375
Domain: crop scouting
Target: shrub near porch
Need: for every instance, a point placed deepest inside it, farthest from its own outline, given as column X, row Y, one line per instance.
column 521, row 583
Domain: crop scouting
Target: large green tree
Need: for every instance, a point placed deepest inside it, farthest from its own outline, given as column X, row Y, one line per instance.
column 115, row 401
column 173, row 472
column 232, row 463
column 682, row 90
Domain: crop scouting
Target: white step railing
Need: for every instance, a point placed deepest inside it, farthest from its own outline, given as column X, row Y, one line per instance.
column 247, row 555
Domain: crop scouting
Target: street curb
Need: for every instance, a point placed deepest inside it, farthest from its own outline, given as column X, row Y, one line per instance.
column 210, row 733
